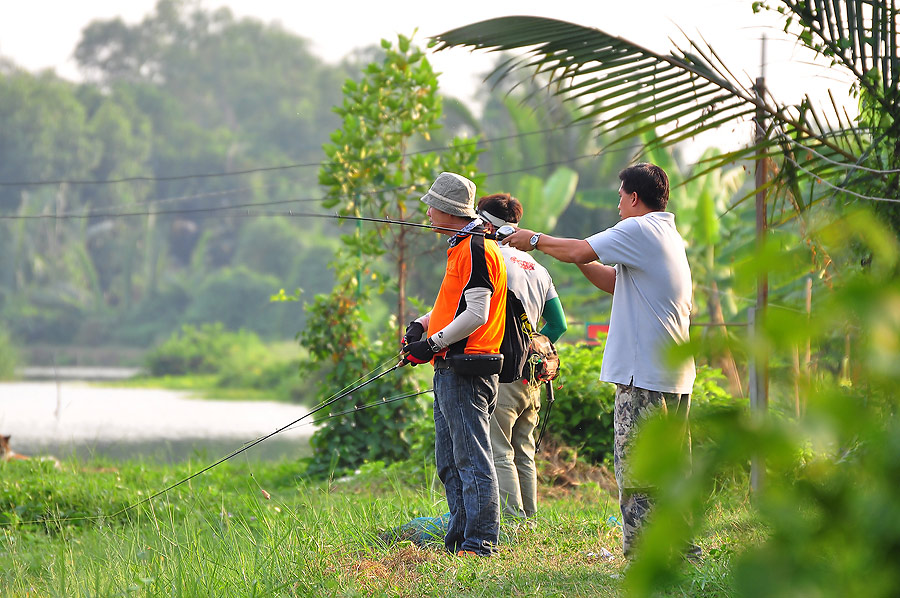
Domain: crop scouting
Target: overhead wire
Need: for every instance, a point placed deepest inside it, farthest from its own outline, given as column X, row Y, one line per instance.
column 838, row 188
column 87, row 215
column 276, row 168
column 835, row 162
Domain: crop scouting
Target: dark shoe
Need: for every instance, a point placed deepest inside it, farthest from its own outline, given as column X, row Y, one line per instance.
column 694, row 554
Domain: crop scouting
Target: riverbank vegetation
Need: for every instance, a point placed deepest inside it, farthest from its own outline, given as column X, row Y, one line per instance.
column 228, row 364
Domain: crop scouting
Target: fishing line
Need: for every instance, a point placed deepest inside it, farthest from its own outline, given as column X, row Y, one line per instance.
column 289, row 214
column 391, row 359
column 362, row 407
column 234, row 453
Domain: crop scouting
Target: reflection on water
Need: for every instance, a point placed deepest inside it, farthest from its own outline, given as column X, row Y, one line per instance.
column 75, row 418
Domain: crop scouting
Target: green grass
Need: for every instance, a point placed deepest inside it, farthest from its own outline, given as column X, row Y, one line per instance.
column 219, row 535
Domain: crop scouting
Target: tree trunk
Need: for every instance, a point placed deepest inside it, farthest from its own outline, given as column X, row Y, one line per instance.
column 726, row 359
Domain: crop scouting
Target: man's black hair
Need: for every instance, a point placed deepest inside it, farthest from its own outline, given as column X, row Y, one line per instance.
column 502, row 205
column 650, row 183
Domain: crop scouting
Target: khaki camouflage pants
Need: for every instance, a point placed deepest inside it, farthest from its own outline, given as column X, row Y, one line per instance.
column 633, row 406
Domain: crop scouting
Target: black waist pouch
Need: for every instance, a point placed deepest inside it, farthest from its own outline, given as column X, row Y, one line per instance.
column 476, row 365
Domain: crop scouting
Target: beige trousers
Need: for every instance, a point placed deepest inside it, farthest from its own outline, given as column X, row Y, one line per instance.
column 512, row 442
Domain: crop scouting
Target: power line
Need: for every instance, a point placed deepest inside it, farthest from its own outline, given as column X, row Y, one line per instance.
column 87, row 215
column 841, row 189
column 835, row 162
column 272, row 168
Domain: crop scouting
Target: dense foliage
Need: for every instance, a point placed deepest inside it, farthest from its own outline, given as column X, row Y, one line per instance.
column 171, row 106
column 190, row 112
column 582, row 414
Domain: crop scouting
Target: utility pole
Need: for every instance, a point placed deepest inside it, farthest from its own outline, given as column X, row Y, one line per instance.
column 759, row 363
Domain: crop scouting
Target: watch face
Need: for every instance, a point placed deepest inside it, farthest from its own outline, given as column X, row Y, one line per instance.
column 534, row 239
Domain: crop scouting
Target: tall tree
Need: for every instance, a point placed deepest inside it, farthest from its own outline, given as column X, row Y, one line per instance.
column 371, row 169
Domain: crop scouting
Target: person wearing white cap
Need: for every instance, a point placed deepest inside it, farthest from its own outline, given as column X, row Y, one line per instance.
column 518, row 404
column 461, row 337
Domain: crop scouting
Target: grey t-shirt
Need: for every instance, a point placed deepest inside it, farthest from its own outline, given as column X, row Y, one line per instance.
column 651, row 305
column 530, row 281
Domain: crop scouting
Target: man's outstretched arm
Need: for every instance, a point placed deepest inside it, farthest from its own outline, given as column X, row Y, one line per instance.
column 572, row 251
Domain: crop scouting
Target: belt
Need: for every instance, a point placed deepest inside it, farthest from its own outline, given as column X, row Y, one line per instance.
column 441, row 363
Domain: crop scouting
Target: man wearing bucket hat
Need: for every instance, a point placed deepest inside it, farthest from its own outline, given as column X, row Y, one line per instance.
column 464, row 332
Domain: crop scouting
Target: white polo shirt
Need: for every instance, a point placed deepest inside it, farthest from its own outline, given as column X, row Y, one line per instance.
column 651, row 305
column 530, row 281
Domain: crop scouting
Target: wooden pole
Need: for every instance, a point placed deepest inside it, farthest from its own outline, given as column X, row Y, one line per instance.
column 759, row 372
column 807, row 358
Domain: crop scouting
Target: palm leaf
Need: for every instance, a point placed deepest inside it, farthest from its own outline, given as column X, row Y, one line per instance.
column 630, row 86
column 628, row 91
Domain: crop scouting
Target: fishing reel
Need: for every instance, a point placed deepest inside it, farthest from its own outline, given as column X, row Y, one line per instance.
column 502, row 232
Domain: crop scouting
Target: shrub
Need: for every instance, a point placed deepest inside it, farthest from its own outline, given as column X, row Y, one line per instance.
column 204, row 350
column 339, row 347
column 582, row 416
column 9, row 358
column 239, row 298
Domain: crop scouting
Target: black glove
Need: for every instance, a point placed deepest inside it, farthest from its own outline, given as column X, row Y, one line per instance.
column 418, row 352
column 414, row 333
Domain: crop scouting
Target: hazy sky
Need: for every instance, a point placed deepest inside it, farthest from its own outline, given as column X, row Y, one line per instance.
column 39, row 34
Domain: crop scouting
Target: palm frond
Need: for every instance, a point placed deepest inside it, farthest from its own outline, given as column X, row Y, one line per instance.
column 607, row 75
column 627, row 90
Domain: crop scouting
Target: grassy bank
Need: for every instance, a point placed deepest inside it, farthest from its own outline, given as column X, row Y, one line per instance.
column 258, row 529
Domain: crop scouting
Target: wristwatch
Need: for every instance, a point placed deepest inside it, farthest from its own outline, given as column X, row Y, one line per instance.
column 534, row 239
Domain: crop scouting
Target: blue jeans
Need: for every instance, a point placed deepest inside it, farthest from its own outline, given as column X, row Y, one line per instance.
column 465, row 464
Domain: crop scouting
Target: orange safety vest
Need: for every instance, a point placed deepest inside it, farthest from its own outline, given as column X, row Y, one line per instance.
column 472, row 262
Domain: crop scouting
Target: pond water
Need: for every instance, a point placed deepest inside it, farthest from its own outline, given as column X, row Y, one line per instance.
column 77, row 418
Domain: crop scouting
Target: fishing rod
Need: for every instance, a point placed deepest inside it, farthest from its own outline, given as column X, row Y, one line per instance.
column 550, row 399
column 502, row 232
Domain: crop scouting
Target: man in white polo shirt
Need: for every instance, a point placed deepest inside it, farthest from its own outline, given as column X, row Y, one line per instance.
column 651, row 288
